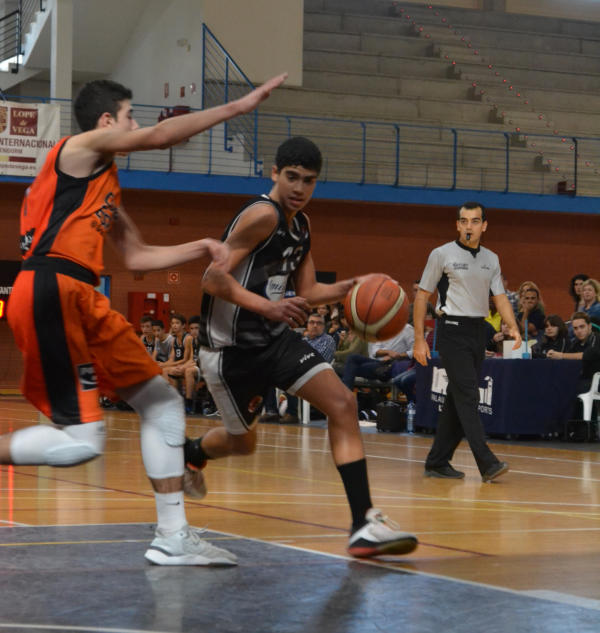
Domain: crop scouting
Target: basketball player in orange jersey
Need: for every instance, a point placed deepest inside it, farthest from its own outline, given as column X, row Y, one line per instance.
column 248, row 346
column 74, row 346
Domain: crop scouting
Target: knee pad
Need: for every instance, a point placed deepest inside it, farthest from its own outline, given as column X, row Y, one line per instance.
column 58, row 447
column 158, row 404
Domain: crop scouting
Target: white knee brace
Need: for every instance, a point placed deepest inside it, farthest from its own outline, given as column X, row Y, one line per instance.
column 158, row 403
column 162, row 427
column 75, row 444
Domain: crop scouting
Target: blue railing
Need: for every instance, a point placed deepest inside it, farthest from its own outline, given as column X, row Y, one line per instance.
column 223, row 81
column 390, row 154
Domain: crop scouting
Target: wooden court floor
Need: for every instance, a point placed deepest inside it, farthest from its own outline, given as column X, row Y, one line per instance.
column 535, row 531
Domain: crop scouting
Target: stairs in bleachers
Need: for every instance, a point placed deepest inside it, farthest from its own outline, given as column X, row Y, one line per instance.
column 537, row 79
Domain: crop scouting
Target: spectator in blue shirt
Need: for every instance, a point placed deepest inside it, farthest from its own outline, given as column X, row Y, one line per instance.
column 590, row 293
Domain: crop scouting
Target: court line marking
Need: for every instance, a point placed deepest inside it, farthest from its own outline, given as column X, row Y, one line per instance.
column 64, row 627
column 595, row 604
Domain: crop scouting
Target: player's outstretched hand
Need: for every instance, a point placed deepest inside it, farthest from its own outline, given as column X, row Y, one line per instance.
column 219, row 252
column 253, row 99
column 293, row 311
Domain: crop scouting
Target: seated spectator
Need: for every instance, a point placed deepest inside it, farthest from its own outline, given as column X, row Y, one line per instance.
column 494, row 345
column 555, row 338
column 181, row 351
column 386, row 359
column 590, row 295
column 585, row 347
column 191, row 369
column 512, row 296
column 531, row 311
column 575, row 288
column 349, row 343
column 493, row 322
column 324, row 344
column 335, row 329
column 147, row 336
column 163, row 343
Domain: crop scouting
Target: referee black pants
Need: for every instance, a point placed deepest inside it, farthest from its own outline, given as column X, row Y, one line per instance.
column 461, row 344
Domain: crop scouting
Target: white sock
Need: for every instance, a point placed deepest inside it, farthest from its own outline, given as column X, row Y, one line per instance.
column 170, row 511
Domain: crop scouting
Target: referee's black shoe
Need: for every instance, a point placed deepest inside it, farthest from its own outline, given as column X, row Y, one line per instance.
column 494, row 471
column 443, row 472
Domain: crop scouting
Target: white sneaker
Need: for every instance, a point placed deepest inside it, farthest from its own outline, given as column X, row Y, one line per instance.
column 194, row 484
column 380, row 535
column 185, row 547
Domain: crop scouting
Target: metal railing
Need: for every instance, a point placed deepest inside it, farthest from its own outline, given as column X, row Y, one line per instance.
column 223, row 81
column 387, row 154
column 13, row 27
column 10, row 37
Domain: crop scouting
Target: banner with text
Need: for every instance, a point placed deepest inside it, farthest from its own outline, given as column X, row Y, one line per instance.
column 27, row 132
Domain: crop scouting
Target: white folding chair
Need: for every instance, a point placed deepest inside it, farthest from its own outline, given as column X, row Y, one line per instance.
column 589, row 397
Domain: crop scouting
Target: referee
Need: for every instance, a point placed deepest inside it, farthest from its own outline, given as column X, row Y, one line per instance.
column 465, row 274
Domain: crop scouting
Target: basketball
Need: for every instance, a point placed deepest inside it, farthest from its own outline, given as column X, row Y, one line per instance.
column 376, row 308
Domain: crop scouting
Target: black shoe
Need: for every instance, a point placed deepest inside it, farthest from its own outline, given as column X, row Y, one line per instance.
column 494, row 471
column 443, row 472
column 289, row 418
column 269, row 417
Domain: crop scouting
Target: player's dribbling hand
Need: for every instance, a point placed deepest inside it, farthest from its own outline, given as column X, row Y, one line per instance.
column 253, row 99
column 218, row 251
column 293, row 311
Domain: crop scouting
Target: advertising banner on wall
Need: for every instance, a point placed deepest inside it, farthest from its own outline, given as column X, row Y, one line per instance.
column 27, row 132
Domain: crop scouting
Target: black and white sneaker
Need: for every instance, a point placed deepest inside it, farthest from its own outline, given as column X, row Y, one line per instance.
column 380, row 535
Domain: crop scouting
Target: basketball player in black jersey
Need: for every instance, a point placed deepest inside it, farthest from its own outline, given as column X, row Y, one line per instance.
column 248, row 344
column 147, row 336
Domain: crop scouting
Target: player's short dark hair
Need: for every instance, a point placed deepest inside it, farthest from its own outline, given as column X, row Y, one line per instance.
column 472, row 205
column 581, row 315
column 299, row 150
column 96, row 98
column 194, row 319
column 158, row 323
column 146, row 318
column 179, row 317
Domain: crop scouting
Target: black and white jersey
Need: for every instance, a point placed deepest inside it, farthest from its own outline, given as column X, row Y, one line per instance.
column 267, row 271
column 464, row 277
column 179, row 348
column 148, row 344
column 195, row 349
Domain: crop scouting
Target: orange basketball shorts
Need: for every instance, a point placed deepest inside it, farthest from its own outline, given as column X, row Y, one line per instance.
column 74, row 346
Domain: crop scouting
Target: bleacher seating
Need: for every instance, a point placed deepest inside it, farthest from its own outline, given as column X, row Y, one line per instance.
column 533, row 80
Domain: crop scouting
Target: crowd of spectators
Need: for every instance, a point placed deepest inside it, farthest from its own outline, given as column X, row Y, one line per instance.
column 575, row 336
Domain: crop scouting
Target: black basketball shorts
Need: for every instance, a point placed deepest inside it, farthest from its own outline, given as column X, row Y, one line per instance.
column 238, row 378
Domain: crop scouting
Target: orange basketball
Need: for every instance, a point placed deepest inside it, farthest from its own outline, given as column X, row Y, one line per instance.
column 376, row 308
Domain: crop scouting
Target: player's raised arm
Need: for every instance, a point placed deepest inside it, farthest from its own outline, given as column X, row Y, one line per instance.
column 177, row 129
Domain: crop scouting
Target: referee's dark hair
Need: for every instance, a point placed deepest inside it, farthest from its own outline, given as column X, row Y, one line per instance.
column 472, row 205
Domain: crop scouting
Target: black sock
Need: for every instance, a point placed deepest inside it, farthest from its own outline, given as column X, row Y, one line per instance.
column 193, row 453
column 356, row 484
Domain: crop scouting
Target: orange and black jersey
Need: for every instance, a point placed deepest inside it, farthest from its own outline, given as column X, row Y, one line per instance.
column 68, row 217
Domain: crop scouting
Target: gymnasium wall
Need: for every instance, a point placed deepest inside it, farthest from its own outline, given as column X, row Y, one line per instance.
column 166, row 45
column 349, row 238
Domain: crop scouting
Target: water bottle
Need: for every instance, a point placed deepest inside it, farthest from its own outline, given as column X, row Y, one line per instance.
column 411, row 410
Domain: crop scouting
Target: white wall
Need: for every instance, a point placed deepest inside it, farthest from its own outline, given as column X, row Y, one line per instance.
column 263, row 36
column 166, row 45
